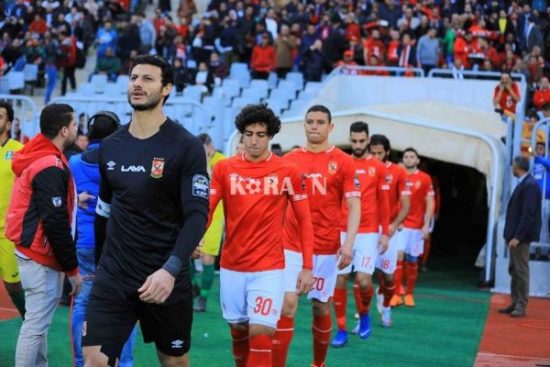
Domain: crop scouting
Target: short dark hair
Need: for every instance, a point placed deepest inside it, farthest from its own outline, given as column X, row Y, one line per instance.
column 522, row 163
column 9, row 109
column 411, row 149
column 320, row 108
column 166, row 69
column 359, row 127
column 54, row 117
column 379, row 139
column 102, row 124
column 258, row 113
column 205, row 138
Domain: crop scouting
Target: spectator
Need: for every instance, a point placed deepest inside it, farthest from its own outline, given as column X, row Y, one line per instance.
column 542, row 168
column 506, row 96
column 66, row 60
column 106, row 37
column 43, row 183
column 407, row 52
column 427, row 51
column 284, row 47
column 204, row 78
column 542, row 94
column 109, row 64
column 334, row 43
column 217, row 67
column 533, row 35
column 527, row 132
column 314, row 62
column 263, row 59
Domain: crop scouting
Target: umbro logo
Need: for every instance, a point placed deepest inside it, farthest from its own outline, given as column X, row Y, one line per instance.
column 177, row 344
column 111, row 166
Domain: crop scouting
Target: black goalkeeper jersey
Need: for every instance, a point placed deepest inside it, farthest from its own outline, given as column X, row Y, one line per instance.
column 155, row 194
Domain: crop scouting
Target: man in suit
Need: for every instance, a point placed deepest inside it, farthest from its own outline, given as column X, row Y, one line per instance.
column 523, row 225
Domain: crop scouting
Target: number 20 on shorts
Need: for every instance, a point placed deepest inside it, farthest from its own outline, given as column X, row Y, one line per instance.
column 318, row 283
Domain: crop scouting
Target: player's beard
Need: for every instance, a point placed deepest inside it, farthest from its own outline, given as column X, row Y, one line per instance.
column 153, row 100
column 358, row 153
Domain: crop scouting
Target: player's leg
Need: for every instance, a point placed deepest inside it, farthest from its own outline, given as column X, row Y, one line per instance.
column 401, row 237
column 366, row 252
column 340, row 303
column 265, row 292
column 210, row 249
column 172, row 361
column 386, row 264
column 43, row 287
column 9, row 273
column 234, row 311
column 285, row 325
column 110, row 317
column 414, row 249
column 324, row 273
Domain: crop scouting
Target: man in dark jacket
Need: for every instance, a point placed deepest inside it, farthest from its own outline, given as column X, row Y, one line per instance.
column 523, row 225
column 40, row 222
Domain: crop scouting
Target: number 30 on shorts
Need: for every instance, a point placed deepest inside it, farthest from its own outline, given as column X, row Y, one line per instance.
column 263, row 306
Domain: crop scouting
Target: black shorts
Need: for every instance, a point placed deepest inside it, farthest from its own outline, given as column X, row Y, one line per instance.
column 113, row 312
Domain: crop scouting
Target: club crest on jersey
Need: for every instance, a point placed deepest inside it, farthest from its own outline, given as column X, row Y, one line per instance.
column 157, row 167
column 9, row 155
column 356, row 181
column 332, row 167
column 389, row 179
column 372, row 171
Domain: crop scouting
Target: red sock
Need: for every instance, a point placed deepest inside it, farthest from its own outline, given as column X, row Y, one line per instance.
column 398, row 275
column 357, row 296
column 427, row 245
column 322, row 326
column 240, row 346
column 411, row 270
column 340, row 301
column 389, row 290
column 281, row 340
column 366, row 297
column 260, row 351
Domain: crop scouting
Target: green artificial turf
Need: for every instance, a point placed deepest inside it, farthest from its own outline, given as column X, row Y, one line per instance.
column 444, row 329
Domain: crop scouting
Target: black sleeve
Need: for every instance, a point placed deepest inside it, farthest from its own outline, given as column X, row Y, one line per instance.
column 195, row 186
column 50, row 192
column 103, row 209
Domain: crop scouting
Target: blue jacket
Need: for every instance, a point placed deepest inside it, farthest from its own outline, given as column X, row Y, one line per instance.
column 85, row 169
column 541, row 166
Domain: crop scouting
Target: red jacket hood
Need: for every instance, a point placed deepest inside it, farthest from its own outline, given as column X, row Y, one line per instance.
column 36, row 148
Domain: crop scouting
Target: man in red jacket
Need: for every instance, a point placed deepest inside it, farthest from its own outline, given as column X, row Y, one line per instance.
column 40, row 221
column 263, row 59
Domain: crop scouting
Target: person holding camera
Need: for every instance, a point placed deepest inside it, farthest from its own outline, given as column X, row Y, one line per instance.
column 506, row 97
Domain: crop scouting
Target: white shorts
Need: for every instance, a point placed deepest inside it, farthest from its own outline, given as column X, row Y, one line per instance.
column 256, row 297
column 324, row 274
column 415, row 242
column 399, row 240
column 387, row 262
column 365, row 253
column 293, row 267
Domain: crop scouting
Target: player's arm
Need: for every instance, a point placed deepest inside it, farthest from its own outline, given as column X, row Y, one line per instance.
column 216, row 192
column 405, row 201
column 383, row 208
column 300, row 205
column 430, row 206
column 102, row 211
column 353, row 201
column 194, row 189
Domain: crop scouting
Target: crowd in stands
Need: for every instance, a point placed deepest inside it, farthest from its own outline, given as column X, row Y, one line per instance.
column 313, row 36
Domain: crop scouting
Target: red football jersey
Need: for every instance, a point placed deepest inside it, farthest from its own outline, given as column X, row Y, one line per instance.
column 328, row 178
column 255, row 197
column 371, row 174
column 420, row 185
column 397, row 181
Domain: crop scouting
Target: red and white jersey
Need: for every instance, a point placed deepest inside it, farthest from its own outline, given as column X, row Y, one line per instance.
column 328, row 178
column 255, row 197
column 396, row 179
column 420, row 186
column 371, row 174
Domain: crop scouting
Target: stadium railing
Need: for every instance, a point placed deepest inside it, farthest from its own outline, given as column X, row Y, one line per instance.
column 375, row 70
column 26, row 111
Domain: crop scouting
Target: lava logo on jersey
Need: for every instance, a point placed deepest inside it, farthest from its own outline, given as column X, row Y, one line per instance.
column 269, row 185
column 332, row 167
column 389, row 179
column 9, row 155
column 157, row 168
